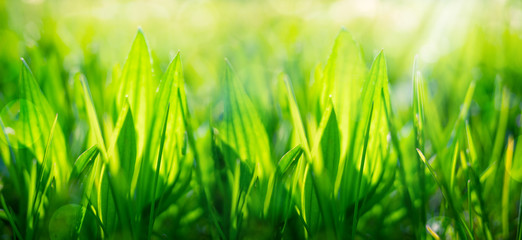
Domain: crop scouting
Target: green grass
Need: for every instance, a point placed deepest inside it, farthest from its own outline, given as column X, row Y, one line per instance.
column 327, row 141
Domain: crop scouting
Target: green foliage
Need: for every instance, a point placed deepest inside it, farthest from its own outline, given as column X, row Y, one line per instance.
column 289, row 143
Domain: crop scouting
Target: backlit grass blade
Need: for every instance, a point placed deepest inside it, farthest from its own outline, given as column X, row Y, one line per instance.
column 44, row 175
column 138, row 85
column 84, row 162
column 37, row 117
column 361, row 172
column 327, row 145
column 296, row 118
column 370, row 97
column 93, row 118
column 342, row 79
column 300, row 177
column 471, row 145
column 419, row 123
column 95, row 131
column 83, row 166
column 326, row 153
column 284, row 167
column 242, row 128
column 169, row 92
column 123, row 149
column 289, row 159
column 505, row 186
column 156, row 177
column 166, row 94
column 516, row 166
column 502, row 125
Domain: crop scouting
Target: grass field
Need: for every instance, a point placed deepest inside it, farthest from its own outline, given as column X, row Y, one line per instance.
column 260, row 120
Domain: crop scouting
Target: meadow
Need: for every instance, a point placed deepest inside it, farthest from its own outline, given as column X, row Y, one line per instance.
column 260, row 120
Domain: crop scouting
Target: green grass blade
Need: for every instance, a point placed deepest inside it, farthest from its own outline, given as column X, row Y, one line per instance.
column 505, row 186
column 502, row 126
column 296, row 118
column 343, row 77
column 138, row 85
column 361, row 172
column 327, row 144
column 470, row 206
column 43, row 175
column 519, row 231
column 84, row 162
column 37, row 117
column 92, row 117
column 156, row 177
column 242, row 128
column 418, row 123
column 123, row 149
column 289, row 159
column 83, row 167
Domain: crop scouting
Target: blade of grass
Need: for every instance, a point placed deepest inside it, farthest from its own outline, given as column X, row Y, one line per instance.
column 519, row 231
column 137, row 85
column 243, row 129
column 470, row 206
column 99, row 165
column 37, row 117
column 40, row 194
column 361, row 172
column 418, row 123
column 155, row 185
column 404, row 189
column 83, row 165
column 505, row 187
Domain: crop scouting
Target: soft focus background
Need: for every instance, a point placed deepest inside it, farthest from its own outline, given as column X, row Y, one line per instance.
column 264, row 38
column 455, row 44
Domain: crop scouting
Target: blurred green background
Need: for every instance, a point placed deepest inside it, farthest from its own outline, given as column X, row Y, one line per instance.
column 457, row 41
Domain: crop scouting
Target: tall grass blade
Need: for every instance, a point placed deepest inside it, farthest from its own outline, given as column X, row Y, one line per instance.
column 242, row 128
column 37, row 117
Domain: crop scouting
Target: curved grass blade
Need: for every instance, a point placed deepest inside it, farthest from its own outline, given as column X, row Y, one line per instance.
column 83, row 167
column 289, row 159
column 84, row 162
